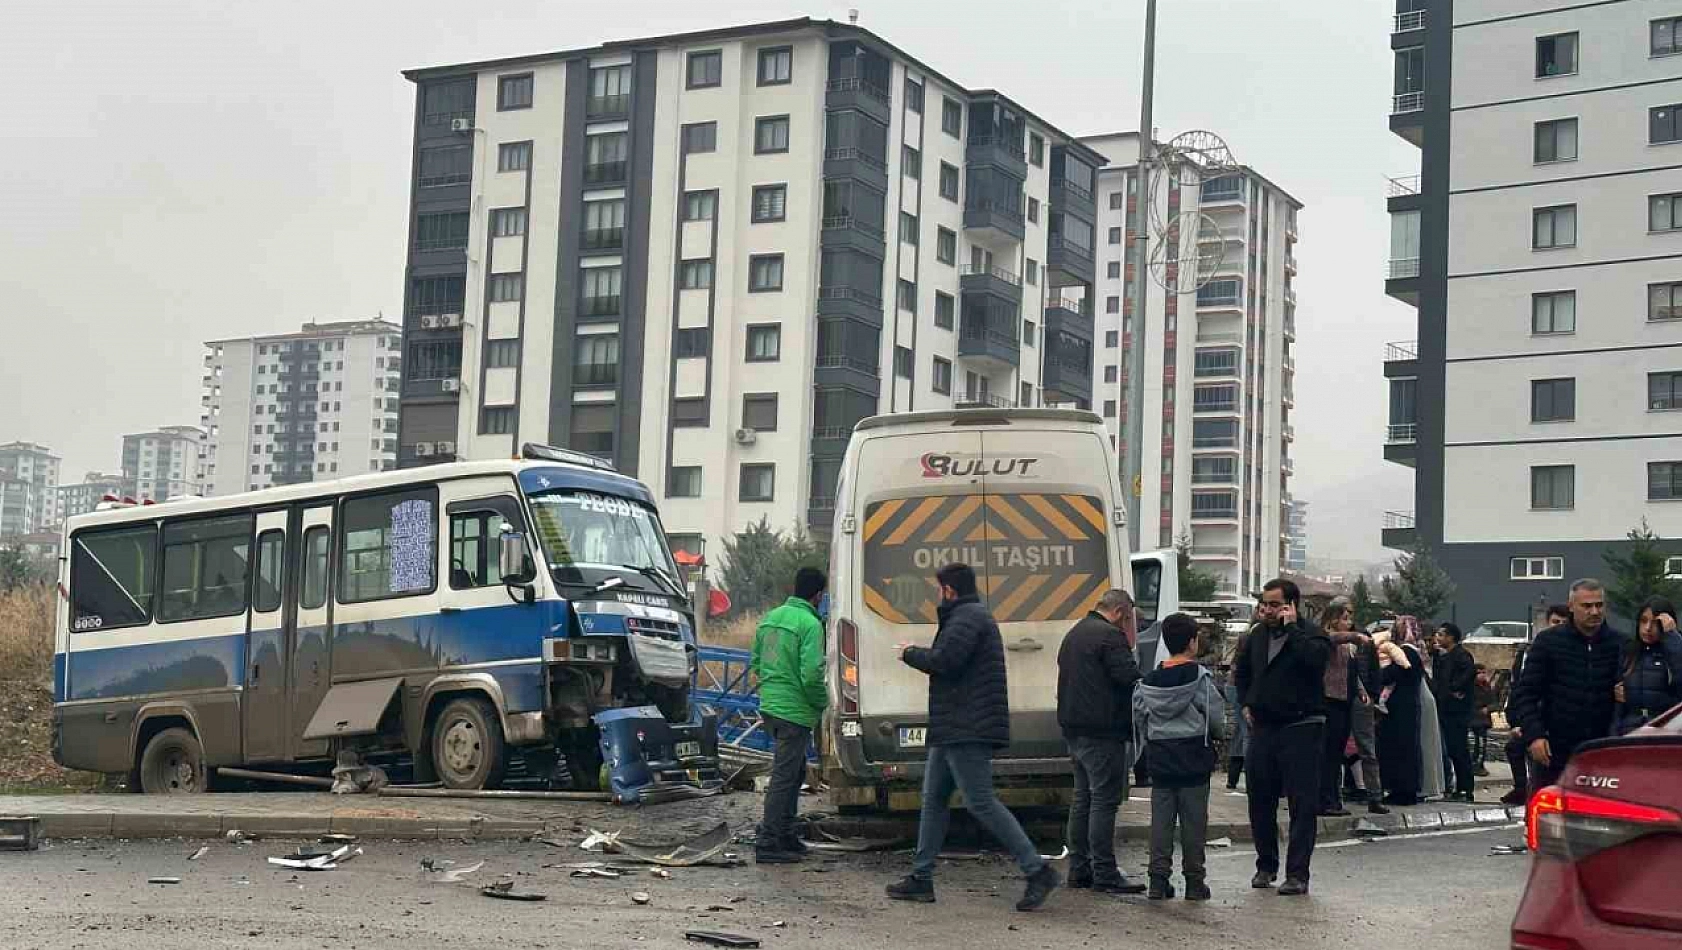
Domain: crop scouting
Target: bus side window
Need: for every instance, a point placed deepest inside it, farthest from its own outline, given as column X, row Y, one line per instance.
column 475, row 530
column 111, row 578
column 313, row 594
column 270, row 571
column 388, row 546
column 206, row 568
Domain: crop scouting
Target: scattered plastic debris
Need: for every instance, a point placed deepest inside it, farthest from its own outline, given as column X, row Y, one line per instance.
column 305, row 860
column 163, row 880
column 598, row 842
column 201, row 852
column 236, row 836
column 1501, row 849
column 337, row 839
column 640, row 897
column 597, row 872
column 444, row 874
column 1366, row 829
column 661, row 873
column 1219, row 843
column 720, row 939
column 504, row 890
column 697, row 850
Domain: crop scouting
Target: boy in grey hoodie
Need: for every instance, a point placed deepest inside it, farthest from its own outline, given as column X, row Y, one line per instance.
column 1178, row 712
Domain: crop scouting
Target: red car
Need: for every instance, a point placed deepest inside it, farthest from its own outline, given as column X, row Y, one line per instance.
column 1607, row 841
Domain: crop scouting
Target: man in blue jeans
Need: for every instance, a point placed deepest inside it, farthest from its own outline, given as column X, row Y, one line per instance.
column 969, row 717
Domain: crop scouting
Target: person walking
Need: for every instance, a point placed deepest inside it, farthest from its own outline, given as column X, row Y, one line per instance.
column 1339, row 624
column 1566, row 695
column 1651, row 669
column 1515, row 751
column 1177, row 714
column 1096, row 673
column 1399, row 752
column 1281, row 677
column 788, row 659
column 969, row 717
column 1454, row 682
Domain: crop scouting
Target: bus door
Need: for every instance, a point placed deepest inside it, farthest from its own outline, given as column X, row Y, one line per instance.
column 310, row 669
column 268, row 644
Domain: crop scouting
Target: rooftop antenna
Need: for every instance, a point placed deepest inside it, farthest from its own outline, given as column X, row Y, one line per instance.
column 853, row 15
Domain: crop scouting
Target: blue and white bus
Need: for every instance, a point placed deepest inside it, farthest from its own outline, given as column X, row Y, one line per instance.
column 396, row 615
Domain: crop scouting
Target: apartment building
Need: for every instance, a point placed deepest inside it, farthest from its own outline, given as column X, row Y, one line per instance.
column 1296, row 536
column 1538, row 404
column 85, row 496
column 166, row 463
column 28, row 489
column 706, row 256
column 296, row 407
column 1219, row 383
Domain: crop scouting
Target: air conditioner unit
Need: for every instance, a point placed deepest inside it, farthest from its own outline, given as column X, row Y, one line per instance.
column 452, row 385
column 423, row 449
column 446, row 448
column 429, row 322
column 746, row 437
column 449, row 320
column 461, row 125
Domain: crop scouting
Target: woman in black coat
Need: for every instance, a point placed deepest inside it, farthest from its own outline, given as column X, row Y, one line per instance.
column 1650, row 675
column 1398, row 730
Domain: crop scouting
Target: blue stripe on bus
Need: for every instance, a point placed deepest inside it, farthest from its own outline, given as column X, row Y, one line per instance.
column 480, row 635
column 143, row 668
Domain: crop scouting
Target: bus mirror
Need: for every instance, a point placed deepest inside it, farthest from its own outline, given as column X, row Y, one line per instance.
column 516, row 563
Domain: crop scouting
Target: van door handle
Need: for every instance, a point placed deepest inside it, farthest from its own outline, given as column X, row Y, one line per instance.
column 1026, row 645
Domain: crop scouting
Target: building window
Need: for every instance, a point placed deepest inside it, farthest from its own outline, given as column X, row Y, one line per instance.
column 706, row 69
column 1662, row 126
column 496, row 421
column 1109, row 408
column 506, row 288
column 946, row 246
column 770, row 134
column 770, row 203
column 441, row 232
column 604, row 225
column 508, row 222
column 1028, row 333
column 700, row 137
column 949, row 181
column 1664, row 481
column 776, row 66
column 513, row 156
column 765, row 343
column 1112, row 304
column 942, row 376
column 1667, row 37
column 445, row 165
column 689, row 413
column 692, row 342
column 1554, row 312
column 502, row 354
column 1555, row 227
column 903, row 360
column 1033, row 210
column 907, row 296
column 1664, row 301
column 759, row 482
column 600, row 288
column 908, row 228
column 1115, row 236
column 945, row 305
column 1117, row 201
column 759, row 412
column 1111, row 338
column 1112, row 270
column 765, row 273
column 595, row 360
column 443, row 101
column 1664, row 391
column 1110, row 374
column 1033, row 272
column 1556, row 141
column 1538, row 569
column 610, row 91
column 1036, row 150
column 594, row 429
column 1553, row 400
column 513, row 92
column 1553, row 487
column 604, row 157
column 1556, row 55
column 695, row 275
column 951, row 118
column 684, row 481
column 910, row 162
column 1664, row 212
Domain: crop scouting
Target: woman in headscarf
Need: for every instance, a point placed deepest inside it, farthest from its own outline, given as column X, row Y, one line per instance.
column 1402, row 673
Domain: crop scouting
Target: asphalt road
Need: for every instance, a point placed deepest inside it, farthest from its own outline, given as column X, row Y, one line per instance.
column 1445, row 892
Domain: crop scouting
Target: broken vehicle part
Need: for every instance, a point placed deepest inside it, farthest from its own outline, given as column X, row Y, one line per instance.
column 697, row 850
column 20, row 834
column 313, row 781
column 314, row 861
column 396, row 791
column 163, row 880
column 720, row 939
column 504, row 890
column 449, row 875
column 201, row 852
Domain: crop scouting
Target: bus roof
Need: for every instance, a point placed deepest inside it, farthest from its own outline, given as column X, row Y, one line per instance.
column 589, row 478
column 978, row 417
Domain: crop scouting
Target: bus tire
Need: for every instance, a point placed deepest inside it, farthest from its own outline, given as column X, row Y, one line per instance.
column 173, row 764
column 467, row 744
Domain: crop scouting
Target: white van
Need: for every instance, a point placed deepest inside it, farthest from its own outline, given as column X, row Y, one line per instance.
column 1032, row 499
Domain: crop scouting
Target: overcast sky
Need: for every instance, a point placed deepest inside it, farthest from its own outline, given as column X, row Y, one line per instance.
column 197, row 169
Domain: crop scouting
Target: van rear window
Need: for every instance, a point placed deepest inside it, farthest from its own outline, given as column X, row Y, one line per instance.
column 1037, row 556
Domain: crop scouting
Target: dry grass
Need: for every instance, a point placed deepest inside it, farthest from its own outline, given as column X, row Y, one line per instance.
column 26, row 695
column 736, row 634
column 26, row 635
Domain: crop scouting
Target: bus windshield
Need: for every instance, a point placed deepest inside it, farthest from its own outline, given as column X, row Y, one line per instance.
column 583, row 530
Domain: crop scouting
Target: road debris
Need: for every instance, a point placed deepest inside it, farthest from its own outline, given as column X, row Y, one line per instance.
column 1503, row 849
column 201, row 852
column 442, row 873
column 351, row 776
column 597, row 872
column 859, row 845
column 640, row 898
column 697, row 850
column 720, row 939
column 337, row 839
column 236, row 836
column 1056, row 857
column 163, row 880
column 1366, row 829
column 597, row 842
column 20, row 834
column 304, row 860
column 504, row 890
column 1219, row 843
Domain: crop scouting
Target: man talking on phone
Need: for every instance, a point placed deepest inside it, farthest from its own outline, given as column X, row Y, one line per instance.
column 1280, row 676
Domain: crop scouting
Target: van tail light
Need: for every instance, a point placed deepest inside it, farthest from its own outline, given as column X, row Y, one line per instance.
column 847, row 640
column 1573, row 826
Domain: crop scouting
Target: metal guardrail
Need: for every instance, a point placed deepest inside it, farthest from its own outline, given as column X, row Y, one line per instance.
column 724, row 685
column 1402, row 433
column 1398, row 519
column 1407, row 102
column 1403, row 350
column 1410, row 21
column 1402, row 187
column 1402, row 268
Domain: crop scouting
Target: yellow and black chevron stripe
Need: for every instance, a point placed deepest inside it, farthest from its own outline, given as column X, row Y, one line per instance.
column 1037, row 556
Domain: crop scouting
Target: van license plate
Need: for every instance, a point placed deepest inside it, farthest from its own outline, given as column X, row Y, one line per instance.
column 687, row 749
column 912, row 737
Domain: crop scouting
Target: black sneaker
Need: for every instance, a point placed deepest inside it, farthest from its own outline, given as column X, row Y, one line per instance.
column 1118, row 885
column 912, row 889
column 1263, row 879
column 1198, row 892
column 1338, row 812
column 1293, row 887
column 1377, row 807
column 761, row 856
column 1040, row 885
column 1160, row 891
column 1079, row 882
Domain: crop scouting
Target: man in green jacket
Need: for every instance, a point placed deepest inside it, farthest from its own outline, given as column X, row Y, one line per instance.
column 788, row 659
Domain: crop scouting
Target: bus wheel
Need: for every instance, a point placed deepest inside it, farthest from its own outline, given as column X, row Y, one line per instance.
column 173, row 764
column 467, row 747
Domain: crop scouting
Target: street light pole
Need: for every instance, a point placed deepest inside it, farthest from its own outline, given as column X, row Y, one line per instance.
column 1134, row 326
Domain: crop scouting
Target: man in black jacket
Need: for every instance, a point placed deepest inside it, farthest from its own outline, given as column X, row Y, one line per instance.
column 969, row 717
column 1096, row 672
column 1564, row 697
column 1280, row 676
column 1456, row 678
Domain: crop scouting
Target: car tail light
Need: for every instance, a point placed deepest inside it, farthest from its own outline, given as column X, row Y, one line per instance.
column 1574, row 825
column 847, row 639
column 1529, row 941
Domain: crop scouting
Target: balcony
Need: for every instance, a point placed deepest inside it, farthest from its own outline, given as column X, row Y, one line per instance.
column 1400, row 532
column 1290, row 327
column 848, row 231
column 603, row 239
column 1406, row 102
column 1215, row 516
column 1407, row 115
column 1406, row 186
column 857, row 164
column 1067, row 370
column 1409, row 22
column 1402, row 279
column 1220, row 235
column 980, row 400
column 605, row 173
column 600, row 307
column 998, row 151
column 1208, row 553
column 1288, row 396
column 850, row 302
column 1287, row 465
column 1220, row 336
column 861, row 95
column 855, row 372
column 1290, row 263
column 1401, row 443
column 1289, row 433
column 1067, row 194
column 616, row 106
column 996, row 281
column 595, row 374
column 1289, row 363
column 993, row 346
column 1001, row 219
column 1233, row 301
column 1215, row 407
column 820, row 513
column 1069, row 316
column 1291, row 233
column 1068, row 263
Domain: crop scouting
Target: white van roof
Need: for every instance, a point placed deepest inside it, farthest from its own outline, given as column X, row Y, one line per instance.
column 978, row 417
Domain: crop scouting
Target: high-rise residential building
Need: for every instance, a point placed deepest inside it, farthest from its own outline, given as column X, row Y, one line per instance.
column 1296, row 536
column 1218, row 360
column 28, row 489
column 706, row 256
column 164, row 464
column 85, row 496
column 296, row 407
column 1537, row 405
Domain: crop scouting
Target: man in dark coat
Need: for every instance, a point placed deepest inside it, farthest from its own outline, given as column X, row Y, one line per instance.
column 1565, row 696
column 1281, row 683
column 1453, row 686
column 1096, row 673
column 969, row 717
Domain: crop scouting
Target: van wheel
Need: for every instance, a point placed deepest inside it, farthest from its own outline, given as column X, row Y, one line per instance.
column 173, row 764
column 467, row 745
